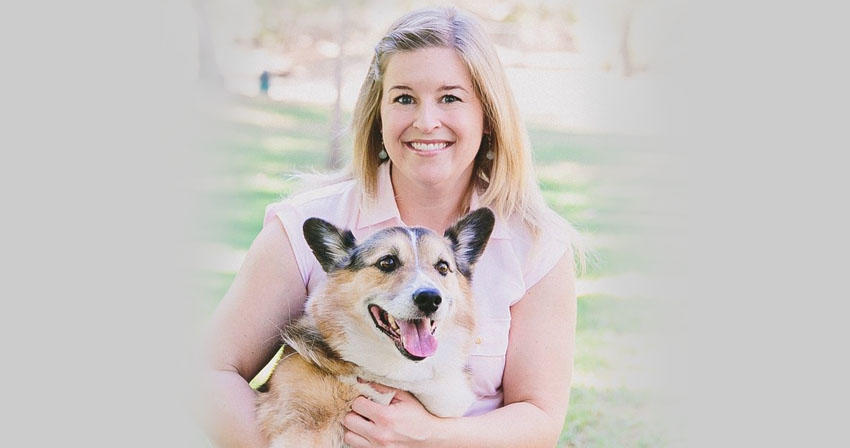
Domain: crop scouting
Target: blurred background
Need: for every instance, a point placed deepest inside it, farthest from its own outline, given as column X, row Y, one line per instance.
column 639, row 112
column 277, row 81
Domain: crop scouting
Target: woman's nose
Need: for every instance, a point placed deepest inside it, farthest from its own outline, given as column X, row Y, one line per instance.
column 427, row 118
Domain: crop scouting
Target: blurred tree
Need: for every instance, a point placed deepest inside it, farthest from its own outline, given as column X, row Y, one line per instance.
column 335, row 151
column 630, row 66
column 208, row 70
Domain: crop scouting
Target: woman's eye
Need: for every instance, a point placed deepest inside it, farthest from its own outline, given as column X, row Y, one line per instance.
column 442, row 267
column 403, row 99
column 388, row 263
column 450, row 99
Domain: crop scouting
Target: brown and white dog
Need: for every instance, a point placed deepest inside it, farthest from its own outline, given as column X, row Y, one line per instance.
column 396, row 309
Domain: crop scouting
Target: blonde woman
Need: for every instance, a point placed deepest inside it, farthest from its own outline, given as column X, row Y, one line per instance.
column 437, row 134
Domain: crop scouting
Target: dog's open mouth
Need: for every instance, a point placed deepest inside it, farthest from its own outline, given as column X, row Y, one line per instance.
column 413, row 338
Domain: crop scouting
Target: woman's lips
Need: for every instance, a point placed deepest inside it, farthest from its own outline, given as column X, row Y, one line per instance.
column 428, row 147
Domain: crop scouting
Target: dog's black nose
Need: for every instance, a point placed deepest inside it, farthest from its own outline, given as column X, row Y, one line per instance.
column 427, row 299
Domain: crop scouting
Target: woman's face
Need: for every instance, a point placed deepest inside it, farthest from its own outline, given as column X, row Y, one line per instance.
column 432, row 120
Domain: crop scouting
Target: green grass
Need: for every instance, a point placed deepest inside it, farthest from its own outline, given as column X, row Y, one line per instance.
column 263, row 142
column 605, row 408
column 610, row 418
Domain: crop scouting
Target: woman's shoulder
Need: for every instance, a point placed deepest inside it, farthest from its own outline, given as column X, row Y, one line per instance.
column 538, row 251
column 549, row 228
column 334, row 202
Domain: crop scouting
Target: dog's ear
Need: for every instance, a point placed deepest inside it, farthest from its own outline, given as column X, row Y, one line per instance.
column 469, row 237
column 331, row 246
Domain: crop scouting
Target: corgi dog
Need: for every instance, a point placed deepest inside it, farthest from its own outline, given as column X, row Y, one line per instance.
column 396, row 309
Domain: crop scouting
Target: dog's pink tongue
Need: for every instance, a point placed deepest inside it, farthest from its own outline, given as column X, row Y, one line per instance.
column 417, row 338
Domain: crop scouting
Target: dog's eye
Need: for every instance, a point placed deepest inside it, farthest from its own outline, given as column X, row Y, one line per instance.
column 388, row 263
column 442, row 267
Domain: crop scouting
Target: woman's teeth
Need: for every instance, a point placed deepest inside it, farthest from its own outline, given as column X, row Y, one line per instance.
column 428, row 146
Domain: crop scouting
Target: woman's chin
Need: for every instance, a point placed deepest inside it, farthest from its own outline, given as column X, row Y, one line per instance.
column 433, row 171
column 434, row 181
column 436, row 173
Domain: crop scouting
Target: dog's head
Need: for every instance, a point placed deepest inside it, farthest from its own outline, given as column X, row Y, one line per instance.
column 406, row 288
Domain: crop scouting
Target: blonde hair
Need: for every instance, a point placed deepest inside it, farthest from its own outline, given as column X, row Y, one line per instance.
column 507, row 183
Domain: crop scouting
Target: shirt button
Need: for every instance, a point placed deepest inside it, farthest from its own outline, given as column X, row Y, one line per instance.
column 478, row 339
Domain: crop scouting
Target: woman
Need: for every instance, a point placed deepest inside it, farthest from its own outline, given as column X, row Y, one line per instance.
column 437, row 133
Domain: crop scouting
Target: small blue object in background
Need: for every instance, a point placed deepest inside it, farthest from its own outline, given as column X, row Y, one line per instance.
column 264, row 83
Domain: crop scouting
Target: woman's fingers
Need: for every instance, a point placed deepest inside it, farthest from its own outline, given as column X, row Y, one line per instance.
column 357, row 423
column 368, row 408
column 355, row 440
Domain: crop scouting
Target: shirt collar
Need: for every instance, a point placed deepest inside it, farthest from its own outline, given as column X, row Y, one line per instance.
column 384, row 207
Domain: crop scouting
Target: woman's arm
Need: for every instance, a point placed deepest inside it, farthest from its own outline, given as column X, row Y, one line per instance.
column 245, row 332
column 538, row 369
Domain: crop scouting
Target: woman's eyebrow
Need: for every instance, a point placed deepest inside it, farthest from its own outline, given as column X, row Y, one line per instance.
column 403, row 87
column 453, row 88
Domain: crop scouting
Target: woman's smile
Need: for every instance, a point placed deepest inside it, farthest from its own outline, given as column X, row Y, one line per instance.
column 428, row 147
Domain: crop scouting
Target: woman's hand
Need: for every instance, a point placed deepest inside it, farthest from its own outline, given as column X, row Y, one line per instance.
column 402, row 423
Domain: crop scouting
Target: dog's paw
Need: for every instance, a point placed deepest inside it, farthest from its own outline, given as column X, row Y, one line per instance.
column 366, row 389
column 369, row 392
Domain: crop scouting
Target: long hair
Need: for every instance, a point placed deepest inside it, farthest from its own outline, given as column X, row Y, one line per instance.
column 507, row 183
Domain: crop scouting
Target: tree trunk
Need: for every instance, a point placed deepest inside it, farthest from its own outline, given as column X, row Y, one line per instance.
column 335, row 151
column 208, row 70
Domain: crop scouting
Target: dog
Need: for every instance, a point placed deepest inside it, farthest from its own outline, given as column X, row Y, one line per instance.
column 396, row 310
